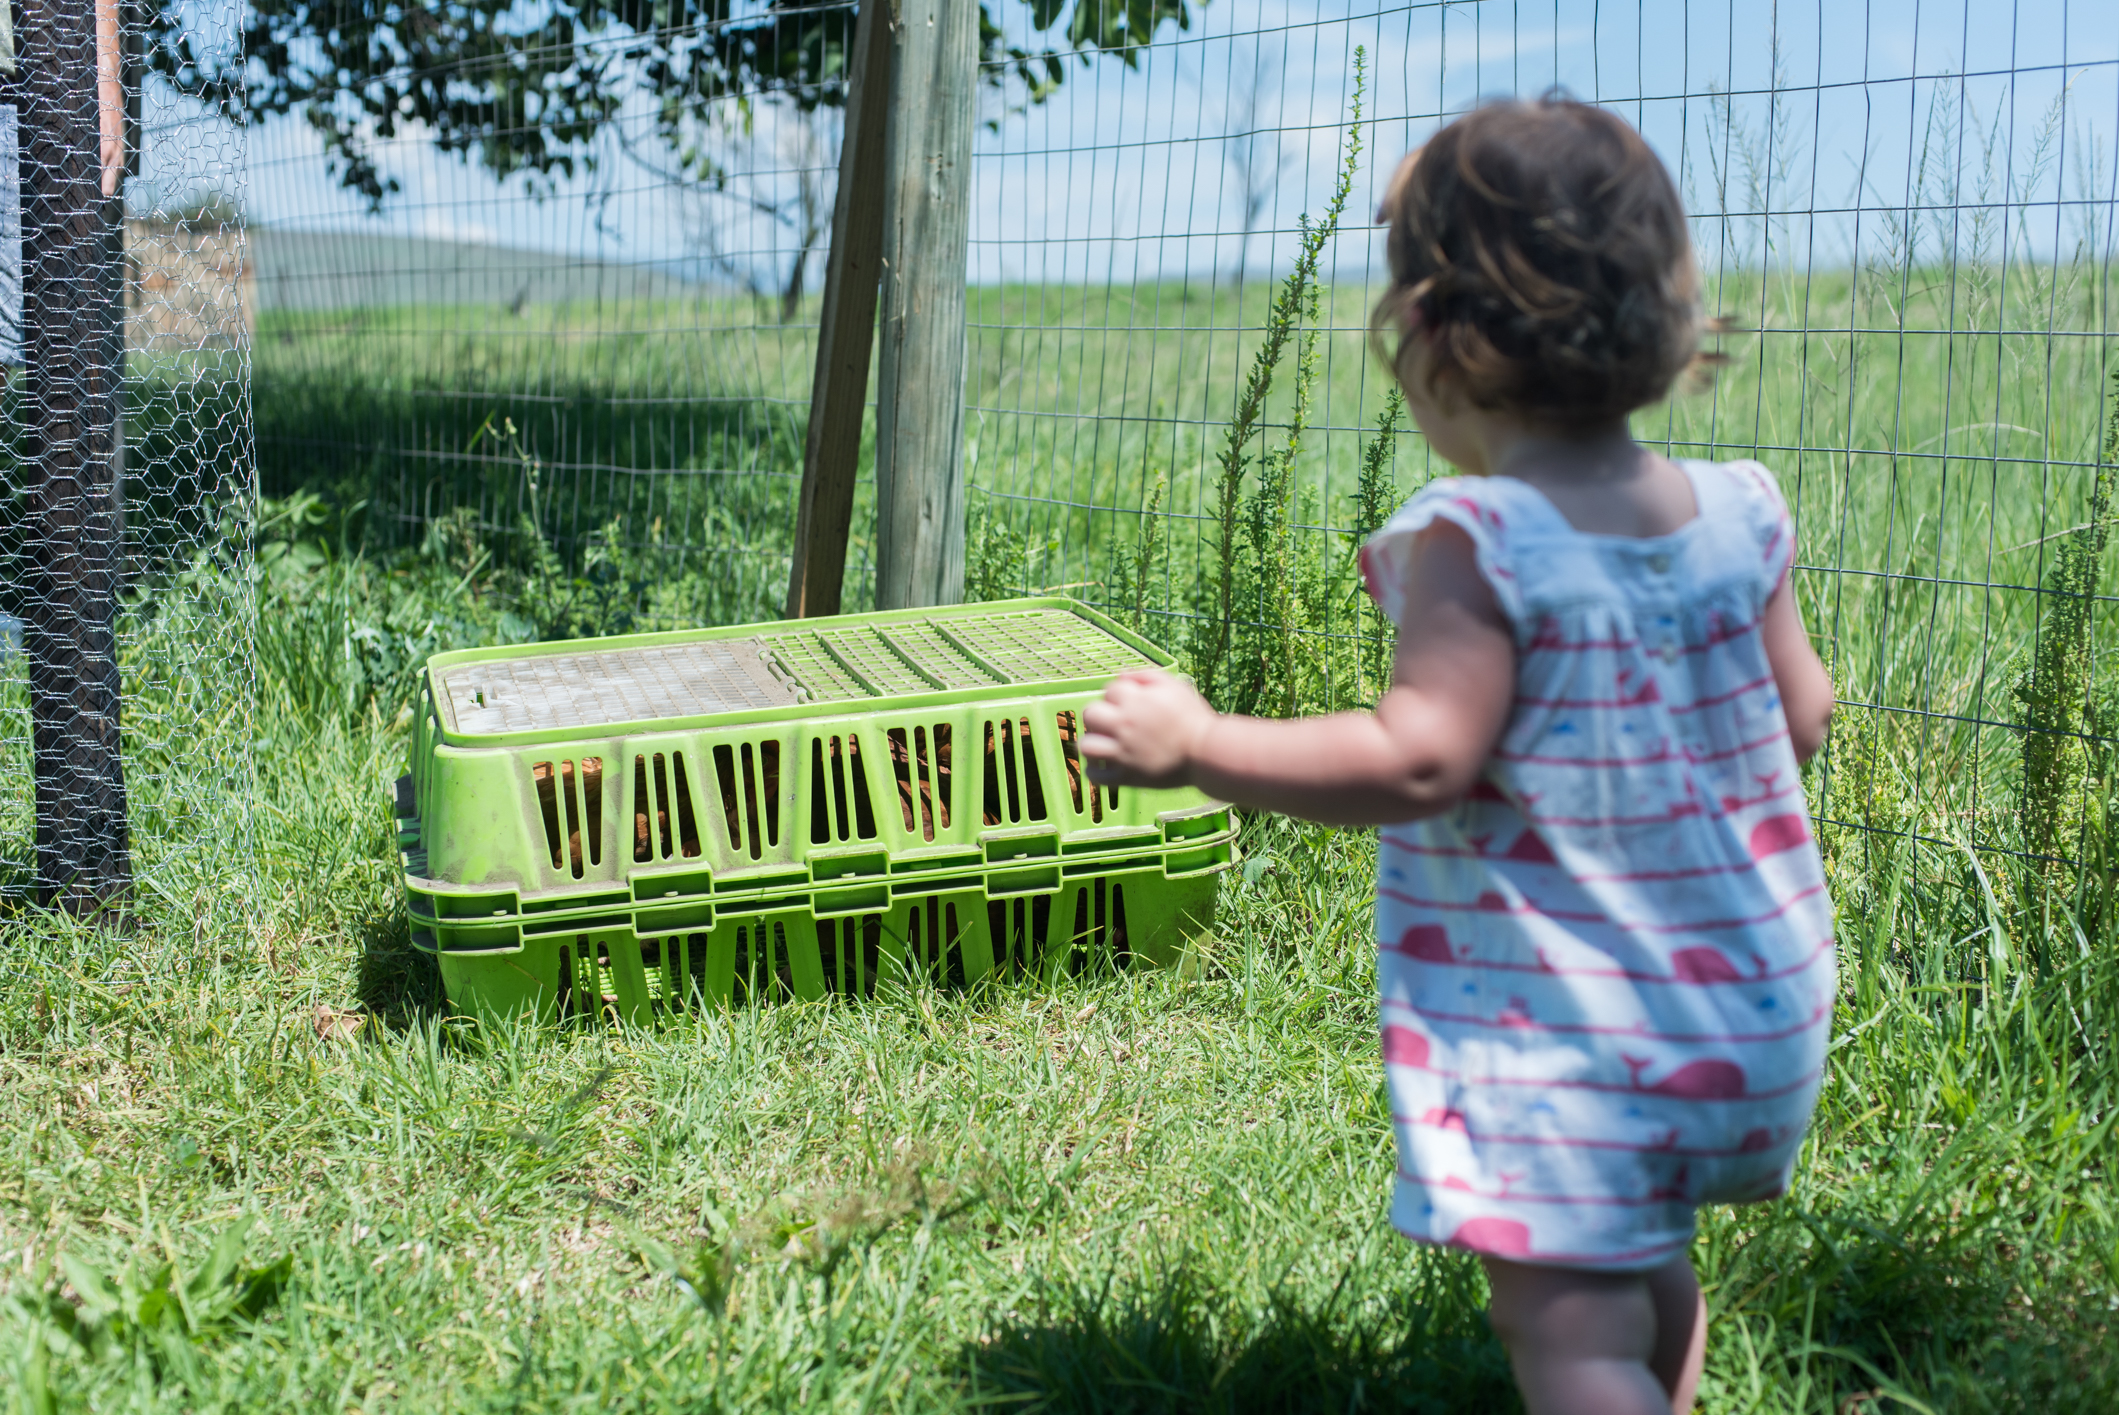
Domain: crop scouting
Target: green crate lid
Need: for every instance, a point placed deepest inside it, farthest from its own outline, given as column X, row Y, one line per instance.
column 762, row 672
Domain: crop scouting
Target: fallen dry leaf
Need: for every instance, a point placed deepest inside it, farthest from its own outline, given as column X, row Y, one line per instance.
column 338, row 1024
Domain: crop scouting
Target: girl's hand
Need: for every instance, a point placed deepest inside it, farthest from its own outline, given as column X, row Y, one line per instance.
column 1415, row 755
column 1145, row 730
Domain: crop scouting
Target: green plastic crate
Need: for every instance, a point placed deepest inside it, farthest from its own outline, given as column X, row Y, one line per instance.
column 667, row 785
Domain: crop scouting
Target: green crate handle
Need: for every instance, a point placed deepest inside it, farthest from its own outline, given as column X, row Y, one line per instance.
column 1013, row 884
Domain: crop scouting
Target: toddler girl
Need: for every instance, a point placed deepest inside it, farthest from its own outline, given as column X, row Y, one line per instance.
column 1606, row 948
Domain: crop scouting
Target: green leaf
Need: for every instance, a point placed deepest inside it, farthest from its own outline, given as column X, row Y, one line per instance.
column 261, row 1287
column 33, row 1392
column 215, row 1277
column 153, row 1306
column 98, row 1297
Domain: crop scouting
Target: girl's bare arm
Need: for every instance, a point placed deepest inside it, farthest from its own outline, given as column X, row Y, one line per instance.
column 1416, row 755
column 1805, row 687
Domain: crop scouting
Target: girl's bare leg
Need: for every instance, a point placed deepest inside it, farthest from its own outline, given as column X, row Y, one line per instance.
column 1588, row 1343
column 1680, row 1331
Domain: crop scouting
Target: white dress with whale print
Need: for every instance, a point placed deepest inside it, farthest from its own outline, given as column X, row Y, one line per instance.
column 1607, row 975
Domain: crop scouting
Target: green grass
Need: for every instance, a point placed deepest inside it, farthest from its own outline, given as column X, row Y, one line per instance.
column 1156, row 1191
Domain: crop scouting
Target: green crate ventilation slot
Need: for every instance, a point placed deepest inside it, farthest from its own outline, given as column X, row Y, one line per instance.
column 665, row 825
column 1101, row 798
column 920, row 762
column 839, row 808
column 1100, row 927
column 1000, row 650
column 1015, row 791
column 572, row 817
column 749, row 776
column 851, row 953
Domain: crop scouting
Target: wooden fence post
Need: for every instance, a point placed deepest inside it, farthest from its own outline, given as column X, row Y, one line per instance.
column 846, row 330
column 920, row 386
column 73, row 352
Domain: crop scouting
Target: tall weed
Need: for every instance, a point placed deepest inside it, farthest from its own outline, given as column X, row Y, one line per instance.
column 2056, row 692
column 1252, row 647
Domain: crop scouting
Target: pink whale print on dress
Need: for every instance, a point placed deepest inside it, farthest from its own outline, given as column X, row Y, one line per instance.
column 1483, row 515
column 1777, row 833
column 1501, row 1237
column 1712, row 1080
column 1402, row 1046
column 1426, row 942
column 1703, row 965
column 1530, row 849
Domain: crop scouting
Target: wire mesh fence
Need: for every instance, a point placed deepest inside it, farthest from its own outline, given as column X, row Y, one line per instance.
column 1907, row 214
column 126, row 483
column 618, row 372
column 535, row 302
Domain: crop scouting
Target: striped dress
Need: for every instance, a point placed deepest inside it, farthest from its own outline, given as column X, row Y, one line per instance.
column 1607, row 974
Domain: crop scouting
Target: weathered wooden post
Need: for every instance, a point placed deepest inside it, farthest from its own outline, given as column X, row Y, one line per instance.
column 72, row 155
column 920, row 385
column 846, row 330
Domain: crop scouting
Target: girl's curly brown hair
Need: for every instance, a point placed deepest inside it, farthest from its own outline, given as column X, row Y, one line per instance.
column 1539, row 251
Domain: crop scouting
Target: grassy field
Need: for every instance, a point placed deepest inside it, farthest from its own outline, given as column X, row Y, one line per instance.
column 253, row 1163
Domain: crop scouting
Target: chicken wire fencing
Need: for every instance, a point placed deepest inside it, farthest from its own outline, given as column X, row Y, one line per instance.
column 539, row 291
column 126, row 479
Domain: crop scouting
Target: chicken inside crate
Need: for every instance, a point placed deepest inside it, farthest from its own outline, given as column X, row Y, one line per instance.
column 626, row 826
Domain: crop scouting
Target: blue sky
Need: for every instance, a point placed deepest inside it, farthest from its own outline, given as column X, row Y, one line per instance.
column 1130, row 174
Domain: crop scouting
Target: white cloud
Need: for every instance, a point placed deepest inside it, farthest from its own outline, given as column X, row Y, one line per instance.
column 437, row 227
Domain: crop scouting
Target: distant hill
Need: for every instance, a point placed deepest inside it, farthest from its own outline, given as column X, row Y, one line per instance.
column 323, row 270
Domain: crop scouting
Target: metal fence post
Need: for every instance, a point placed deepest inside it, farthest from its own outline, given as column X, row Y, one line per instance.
column 73, row 352
column 926, row 231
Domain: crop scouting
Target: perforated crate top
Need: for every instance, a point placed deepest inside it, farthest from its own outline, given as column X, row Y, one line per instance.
column 849, row 659
column 884, row 659
column 595, row 688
